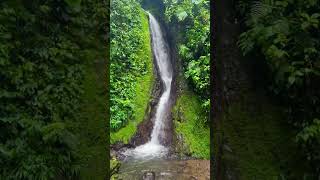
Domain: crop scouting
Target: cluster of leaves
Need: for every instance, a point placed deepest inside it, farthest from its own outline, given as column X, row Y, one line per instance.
column 287, row 34
column 310, row 141
column 192, row 19
column 126, row 64
column 42, row 55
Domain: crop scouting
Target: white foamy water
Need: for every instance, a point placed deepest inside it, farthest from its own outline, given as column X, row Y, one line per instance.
column 153, row 148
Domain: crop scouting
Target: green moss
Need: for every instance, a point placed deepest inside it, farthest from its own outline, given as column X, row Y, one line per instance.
column 260, row 143
column 143, row 88
column 91, row 123
column 189, row 122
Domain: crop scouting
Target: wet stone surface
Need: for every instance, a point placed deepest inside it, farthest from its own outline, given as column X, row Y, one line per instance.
column 149, row 176
column 165, row 170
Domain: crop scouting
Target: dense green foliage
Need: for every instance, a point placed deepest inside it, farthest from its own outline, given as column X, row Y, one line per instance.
column 287, row 35
column 144, row 83
column 189, row 22
column 45, row 46
column 192, row 21
column 130, row 60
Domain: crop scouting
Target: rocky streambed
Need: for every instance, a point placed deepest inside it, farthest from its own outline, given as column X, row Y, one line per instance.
column 165, row 170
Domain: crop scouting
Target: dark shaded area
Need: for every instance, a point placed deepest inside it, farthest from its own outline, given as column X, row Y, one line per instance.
column 91, row 123
column 252, row 138
column 156, row 7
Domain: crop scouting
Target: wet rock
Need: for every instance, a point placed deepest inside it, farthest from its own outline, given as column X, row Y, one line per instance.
column 144, row 129
column 117, row 149
column 143, row 133
column 181, row 147
column 149, row 176
column 193, row 178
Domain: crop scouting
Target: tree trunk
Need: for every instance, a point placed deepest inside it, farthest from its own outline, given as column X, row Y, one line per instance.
column 224, row 81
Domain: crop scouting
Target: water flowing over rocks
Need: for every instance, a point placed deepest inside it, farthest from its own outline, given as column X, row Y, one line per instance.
column 156, row 146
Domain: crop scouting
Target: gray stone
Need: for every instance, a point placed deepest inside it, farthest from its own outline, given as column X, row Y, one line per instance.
column 149, row 176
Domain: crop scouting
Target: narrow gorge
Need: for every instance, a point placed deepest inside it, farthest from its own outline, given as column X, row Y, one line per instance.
column 155, row 148
column 157, row 158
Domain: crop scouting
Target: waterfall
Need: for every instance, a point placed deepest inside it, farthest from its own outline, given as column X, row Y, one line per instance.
column 154, row 148
column 160, row 50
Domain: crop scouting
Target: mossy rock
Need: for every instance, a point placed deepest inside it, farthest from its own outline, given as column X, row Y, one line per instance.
column 114, row 167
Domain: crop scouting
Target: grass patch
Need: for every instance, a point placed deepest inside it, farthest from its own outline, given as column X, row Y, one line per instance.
column 189, row 122
column 143, row 88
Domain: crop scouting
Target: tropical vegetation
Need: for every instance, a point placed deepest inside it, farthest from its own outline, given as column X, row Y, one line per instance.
column 46, row 49
column 131, row 68
column 189, row 21
column 286, row 35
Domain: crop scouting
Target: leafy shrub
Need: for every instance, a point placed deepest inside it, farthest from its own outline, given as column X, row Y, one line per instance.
column 309, row 139
column 126, row 64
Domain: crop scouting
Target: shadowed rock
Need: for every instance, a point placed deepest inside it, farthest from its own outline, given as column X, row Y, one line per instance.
column 149, row 176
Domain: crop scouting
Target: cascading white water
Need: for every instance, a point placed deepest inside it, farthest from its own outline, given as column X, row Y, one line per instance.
column 164, row 65
column 153, row 148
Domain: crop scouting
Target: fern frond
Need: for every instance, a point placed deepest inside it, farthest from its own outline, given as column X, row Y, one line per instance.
column 261, row 8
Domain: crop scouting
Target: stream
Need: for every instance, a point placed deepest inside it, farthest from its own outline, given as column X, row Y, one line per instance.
column 166, row 170
column 152, row 160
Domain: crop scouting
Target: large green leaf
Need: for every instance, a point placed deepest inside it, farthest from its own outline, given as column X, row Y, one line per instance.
column 182, row 15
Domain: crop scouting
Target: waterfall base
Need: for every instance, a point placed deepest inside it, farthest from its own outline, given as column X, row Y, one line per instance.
column 146, row 151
